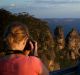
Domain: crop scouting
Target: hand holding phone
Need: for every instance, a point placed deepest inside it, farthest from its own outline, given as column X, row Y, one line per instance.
column 32, row 47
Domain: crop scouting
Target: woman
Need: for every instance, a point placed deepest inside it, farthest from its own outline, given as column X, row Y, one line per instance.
column 15, row 63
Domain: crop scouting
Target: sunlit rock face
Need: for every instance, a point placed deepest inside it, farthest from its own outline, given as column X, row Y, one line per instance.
column 59, row 46
column 59, row 38
column 72, row 43
column 53, row 65
column 79, row 44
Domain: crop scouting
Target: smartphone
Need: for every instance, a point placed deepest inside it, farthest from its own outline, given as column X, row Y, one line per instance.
column 28, row 47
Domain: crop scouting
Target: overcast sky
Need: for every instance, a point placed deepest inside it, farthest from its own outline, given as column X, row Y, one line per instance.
column 44, row 8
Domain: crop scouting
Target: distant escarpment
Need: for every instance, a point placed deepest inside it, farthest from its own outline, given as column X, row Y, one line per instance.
column 56, row 51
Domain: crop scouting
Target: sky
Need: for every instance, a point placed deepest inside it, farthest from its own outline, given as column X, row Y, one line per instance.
column 44, row 8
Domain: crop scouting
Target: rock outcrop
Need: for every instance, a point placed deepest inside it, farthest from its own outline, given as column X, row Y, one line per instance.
column 59, row 45
column 59, row 38
column 73, row 44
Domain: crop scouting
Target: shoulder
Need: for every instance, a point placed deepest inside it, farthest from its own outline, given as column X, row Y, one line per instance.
column 40, row 67
column 38, row 63
column 35, row 59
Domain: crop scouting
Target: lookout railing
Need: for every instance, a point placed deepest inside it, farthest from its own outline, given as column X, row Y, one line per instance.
column 69, row 71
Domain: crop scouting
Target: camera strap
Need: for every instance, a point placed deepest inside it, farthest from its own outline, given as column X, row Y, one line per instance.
column 13, row 52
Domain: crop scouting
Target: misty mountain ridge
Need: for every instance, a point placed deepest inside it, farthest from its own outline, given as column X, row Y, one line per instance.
column 66, row 23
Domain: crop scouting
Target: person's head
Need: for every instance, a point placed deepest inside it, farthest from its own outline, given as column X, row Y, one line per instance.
column 16, row 36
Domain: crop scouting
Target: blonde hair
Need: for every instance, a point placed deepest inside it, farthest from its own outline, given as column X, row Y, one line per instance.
column 16, row 31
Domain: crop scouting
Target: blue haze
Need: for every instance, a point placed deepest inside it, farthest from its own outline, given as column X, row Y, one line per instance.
column 67, row 24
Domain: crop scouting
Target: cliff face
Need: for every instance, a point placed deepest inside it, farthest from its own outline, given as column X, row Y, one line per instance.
column 73, row 41
column 59, row 46
column 59, row 38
